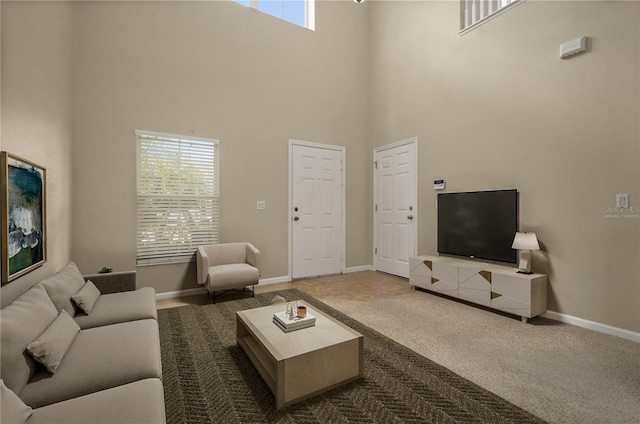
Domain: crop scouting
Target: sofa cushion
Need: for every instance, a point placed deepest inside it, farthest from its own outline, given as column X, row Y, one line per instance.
column 141, row 402
column 99, row 358
column 86, row 297
column 121, row 307
column 50, row 347
column 13, row 410
column 21, row 323
column 64, row 284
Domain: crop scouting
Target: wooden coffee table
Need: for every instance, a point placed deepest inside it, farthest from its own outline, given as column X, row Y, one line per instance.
column 301, row 363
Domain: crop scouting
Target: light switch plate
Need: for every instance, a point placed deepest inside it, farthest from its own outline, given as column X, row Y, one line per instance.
column 622, row 201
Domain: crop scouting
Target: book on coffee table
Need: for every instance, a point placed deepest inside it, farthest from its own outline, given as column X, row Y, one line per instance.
column 282, row 320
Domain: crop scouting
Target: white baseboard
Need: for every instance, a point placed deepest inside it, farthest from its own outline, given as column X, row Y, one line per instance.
column 263, row 282
column 181, row 293
column 595, row 326
column 287, row 279
column 199, row 291
column 275, row 280
column 357, row 269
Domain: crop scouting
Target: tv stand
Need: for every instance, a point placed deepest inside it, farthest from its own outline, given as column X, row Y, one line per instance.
column 495, row 286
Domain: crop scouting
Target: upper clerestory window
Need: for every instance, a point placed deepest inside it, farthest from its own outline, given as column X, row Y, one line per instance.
column 474, row 13
column 299, row 12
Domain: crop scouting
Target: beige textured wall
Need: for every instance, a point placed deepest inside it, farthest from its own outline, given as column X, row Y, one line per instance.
column 215, row 70
column 496, row 108
column 37, row 94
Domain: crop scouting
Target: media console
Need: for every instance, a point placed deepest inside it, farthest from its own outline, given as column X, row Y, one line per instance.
column 495, row 286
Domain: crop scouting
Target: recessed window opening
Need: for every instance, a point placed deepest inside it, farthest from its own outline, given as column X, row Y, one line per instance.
column 299, row 12
column 474, row 13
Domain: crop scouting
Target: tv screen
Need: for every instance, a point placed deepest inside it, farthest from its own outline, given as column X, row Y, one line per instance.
column 480, row 224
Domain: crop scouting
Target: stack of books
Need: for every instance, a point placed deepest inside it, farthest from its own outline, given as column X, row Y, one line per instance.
column 286, row 324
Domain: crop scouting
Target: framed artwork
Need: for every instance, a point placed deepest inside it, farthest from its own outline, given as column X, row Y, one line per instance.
column 23, row 216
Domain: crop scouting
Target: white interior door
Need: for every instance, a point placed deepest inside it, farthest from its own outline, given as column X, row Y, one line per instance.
column 395, row 207
column 317, row 242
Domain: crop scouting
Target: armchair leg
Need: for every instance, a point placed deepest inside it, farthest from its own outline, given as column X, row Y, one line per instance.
column 244, row 289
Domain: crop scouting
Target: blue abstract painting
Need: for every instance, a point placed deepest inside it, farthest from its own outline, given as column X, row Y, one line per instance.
column 23, row 217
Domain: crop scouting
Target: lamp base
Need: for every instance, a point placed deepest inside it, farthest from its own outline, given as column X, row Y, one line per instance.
column 525, row 262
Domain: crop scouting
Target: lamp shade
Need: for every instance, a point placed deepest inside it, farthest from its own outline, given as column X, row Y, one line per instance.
column 525, row 241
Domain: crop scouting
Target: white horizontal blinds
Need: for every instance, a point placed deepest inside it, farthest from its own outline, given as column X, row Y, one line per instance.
column 177, row 203
column 479, row 11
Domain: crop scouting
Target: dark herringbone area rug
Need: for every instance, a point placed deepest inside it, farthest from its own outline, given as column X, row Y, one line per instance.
column 209, row 379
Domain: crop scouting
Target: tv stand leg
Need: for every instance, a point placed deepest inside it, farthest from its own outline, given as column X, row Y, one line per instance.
column 524, row 320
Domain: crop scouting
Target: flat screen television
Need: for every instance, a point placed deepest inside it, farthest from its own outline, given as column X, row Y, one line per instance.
column 479, row 224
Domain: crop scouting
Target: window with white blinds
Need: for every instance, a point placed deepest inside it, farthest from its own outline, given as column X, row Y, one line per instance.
column 476, row 12
column 177, row 201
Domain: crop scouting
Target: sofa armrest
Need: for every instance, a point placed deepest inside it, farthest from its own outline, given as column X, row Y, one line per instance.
column 253, row 256
column 113, row 282
column 202, row 265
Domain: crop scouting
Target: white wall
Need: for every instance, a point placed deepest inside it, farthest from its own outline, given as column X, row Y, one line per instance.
column 496, row 108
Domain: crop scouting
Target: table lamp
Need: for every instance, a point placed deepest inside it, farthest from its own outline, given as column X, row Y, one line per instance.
column 525, row 243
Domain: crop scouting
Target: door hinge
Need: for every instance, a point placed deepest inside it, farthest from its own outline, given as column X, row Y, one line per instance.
column 376, row 208
column 375, row 163
column 376, row 250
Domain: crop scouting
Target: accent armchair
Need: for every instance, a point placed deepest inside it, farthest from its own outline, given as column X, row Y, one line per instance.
column 228, row 266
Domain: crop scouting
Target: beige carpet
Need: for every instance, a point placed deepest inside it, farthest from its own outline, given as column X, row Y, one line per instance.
column 558, row 372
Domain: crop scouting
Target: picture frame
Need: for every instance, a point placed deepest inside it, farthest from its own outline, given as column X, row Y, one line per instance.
column 23, row 217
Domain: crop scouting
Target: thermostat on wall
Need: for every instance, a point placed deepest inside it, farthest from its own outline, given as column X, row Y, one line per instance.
column 438, row 184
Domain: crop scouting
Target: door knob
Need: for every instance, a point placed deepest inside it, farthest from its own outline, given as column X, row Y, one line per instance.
column 295, row 218
column 410, row 217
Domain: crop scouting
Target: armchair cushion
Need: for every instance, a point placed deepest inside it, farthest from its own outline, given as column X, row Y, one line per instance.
column 230, row 276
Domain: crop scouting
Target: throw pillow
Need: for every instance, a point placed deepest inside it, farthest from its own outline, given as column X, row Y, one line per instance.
column 50, row 347
column 64, row 284
column 21, row 322
column 86, row 297
column 13, row 408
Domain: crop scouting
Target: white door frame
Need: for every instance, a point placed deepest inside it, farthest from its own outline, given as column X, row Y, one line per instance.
column 376, row 151
column 290, row 203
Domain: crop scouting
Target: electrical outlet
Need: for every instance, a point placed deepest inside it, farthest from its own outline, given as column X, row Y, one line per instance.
column 262, row 205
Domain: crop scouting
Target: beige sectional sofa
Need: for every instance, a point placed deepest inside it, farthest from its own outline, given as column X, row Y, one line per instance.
column 60, row 364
